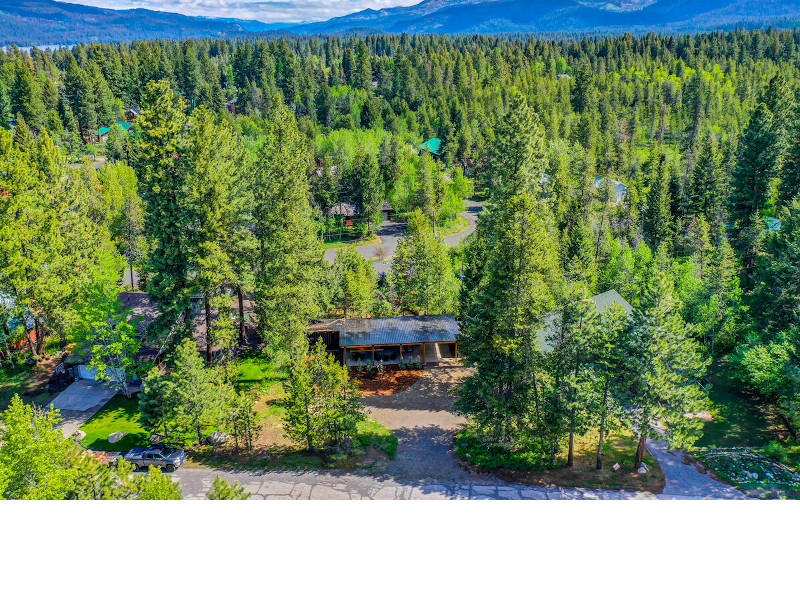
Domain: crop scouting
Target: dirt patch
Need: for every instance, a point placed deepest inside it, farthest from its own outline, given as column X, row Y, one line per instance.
column 391, row 381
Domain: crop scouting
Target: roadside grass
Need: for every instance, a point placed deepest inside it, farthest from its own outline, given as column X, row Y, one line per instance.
column 351, row 240
column 274, row 451
column 531, row 467
column 456, row 226
column 377, row 435
column 119, row 414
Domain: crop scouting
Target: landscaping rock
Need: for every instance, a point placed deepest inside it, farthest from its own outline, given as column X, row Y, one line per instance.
column 157, row 437
column 79, row 435
column 643, row 469
column 218, row 437
column 116, row 436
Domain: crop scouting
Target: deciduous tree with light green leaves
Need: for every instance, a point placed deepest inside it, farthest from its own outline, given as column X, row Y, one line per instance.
column 422, row 274
column 356, row 283
column 110, row 338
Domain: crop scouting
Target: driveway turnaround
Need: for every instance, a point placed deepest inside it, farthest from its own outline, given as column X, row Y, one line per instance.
column 426, row 467
column 80, row 401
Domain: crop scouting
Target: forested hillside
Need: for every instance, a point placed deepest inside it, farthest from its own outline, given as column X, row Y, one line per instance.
column 226, row 188
column 45, row 22
column 564, row 17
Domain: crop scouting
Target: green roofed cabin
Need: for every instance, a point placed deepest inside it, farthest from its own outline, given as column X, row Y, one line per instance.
column 429, row 339
column 433, row 145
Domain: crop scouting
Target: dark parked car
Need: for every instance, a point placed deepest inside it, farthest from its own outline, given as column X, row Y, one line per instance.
column 166, row 457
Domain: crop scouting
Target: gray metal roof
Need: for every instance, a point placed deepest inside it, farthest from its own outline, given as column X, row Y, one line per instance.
column 398, row 330
column 551, row 320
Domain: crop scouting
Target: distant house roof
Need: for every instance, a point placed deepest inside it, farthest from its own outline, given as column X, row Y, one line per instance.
column 124, row 125
column 391, row 330
column 551, row 320
column 343, row 208
column 620, row 188
column 772, row 223
column 105, row 130
column 134, row 111
column 433, row 145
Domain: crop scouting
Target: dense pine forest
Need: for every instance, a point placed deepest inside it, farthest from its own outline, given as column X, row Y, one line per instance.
column 225, row 191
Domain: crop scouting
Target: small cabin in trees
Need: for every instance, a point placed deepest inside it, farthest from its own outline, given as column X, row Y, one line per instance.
column 429, row 339
column 131, row 114
column 433, row 145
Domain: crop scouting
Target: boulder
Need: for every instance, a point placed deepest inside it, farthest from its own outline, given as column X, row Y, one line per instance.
column 217, row 438
column 643, row 469
column 116, row 436
column 157, row 437
column 79, row 435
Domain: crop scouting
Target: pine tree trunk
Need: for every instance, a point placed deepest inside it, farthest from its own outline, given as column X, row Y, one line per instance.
column 240, row 298
column 599, row 464
column 133, row 287
column 571, row 453
column 209, row 348
column 199, row 435
column 640, row 452
column 39, row 337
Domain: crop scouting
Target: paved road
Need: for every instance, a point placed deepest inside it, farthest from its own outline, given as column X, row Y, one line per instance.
column 426, row 467
column 685, row 481
column 391, row 232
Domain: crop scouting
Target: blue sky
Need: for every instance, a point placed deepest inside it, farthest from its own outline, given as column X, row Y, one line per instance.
column 274, row 11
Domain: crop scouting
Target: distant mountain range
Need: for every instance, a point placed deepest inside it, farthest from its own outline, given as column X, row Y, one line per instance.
column 45, row 22
column 565, row 16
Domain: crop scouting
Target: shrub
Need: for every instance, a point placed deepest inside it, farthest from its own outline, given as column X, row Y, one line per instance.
column 775, row 451
column 492, row 456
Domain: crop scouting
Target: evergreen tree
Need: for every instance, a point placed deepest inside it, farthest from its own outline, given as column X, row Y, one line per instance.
column 513, row 289
column 323, row 406
column 518, row 156
column 160, row 163
column 657, row 226
column 221, row 489
column 664, row 368
column 751, row 182
column 289, row 254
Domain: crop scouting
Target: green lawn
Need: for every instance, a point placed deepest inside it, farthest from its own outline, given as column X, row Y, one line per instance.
column 255, row 368
column 119, row 414
column 18, row 381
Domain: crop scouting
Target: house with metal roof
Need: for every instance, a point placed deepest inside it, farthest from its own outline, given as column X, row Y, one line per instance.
column 425, row 339
column 620, row 189
column 433, row 145
column 552, row 320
